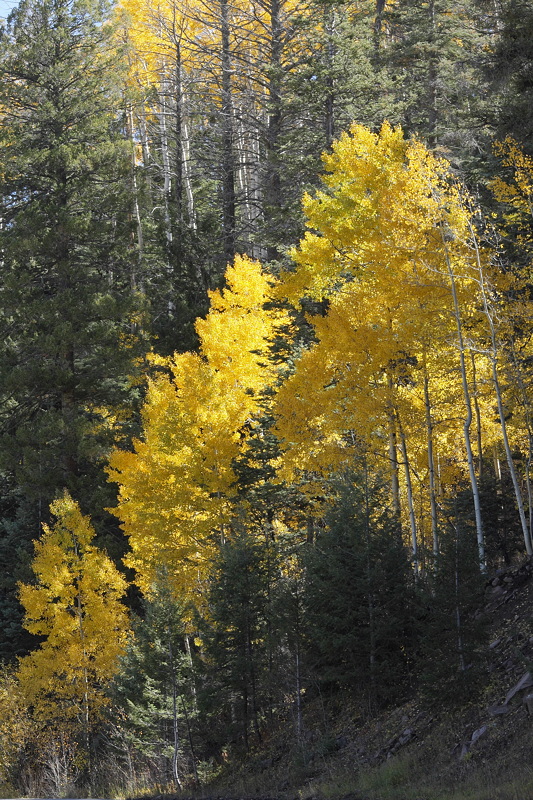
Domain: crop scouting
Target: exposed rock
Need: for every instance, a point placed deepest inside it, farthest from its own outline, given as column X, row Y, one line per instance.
column 525, row 682
column 528, row 700
column 405, row 736
column 478, row 734
column 496, row 711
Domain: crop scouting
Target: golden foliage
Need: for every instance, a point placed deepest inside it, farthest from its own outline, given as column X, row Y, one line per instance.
column 16, row 727
column 388, row 234
column 75, row 604
column 175, row 488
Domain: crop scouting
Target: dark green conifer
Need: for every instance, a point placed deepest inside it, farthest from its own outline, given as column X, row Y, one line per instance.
column 453, row 630
column 155, row 688
column 67, row 303
column 511, row 70
column 359, row 601
column 68, row 311
column 235, row 639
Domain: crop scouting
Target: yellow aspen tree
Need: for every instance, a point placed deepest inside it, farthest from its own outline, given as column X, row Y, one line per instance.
column 75, row 604
column 16, row 727
column 515, row 194
column 176, row 487
column 389, row 246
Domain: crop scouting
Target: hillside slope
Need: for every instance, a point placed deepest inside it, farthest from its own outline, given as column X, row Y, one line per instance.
column 481, row 750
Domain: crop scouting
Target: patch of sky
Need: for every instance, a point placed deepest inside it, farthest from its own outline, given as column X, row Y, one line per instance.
column 6, row 6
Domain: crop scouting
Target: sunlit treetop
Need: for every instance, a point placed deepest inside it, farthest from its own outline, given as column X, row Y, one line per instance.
column 175, row 488
column 380, row 215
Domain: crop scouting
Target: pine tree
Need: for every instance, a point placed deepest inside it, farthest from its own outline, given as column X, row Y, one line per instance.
column 156, row 689
column 359, row 602
column 511, row 70
column 67, row 316
column 453, row 632
column 436, row 53
column 235, row 636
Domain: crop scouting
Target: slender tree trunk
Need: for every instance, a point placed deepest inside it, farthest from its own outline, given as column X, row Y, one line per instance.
column 298, row 672
column 431, row 469
column 370, row 598
column 255, row 714
column 191, row 743
column 228, row 159
column 378, row 26
column 186, row 150
column 433, row 59
column 468, row 406
column 458, row 619
column 329, row 26
column 489, row 315
column 478, row 417
column 393, row 458
column 178, row 146
column 193, row 682
column 166, row 162
column 410, row 501
column 136, row 275
column 245, row 712
column 273, row 188
column 175, row 727
column 527, row 414
column 85, row 673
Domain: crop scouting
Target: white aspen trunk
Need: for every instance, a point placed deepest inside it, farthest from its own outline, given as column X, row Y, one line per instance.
column 145, row 146
column 175, row 728
column 410, row 501
column 188, row 650
column 85, row 659
column 165, row 159
column 431, row 468
column 136, row 279
column 527, row 413
column 394, row 470
column 493, row 357
column 227, row 124
column 242, row 181
column 186, row 152
column 468, row 406
column 497, row 465
column 478, row 417
column 509, row 455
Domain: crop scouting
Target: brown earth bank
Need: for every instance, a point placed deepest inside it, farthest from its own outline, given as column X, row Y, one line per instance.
column 481, row 750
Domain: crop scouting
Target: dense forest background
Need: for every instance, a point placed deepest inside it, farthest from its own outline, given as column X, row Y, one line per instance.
column 265, row 368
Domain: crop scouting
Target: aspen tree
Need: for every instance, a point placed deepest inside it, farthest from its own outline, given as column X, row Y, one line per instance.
column 388, row 249
column 514, row 192
column 75, row 604
column 176, row 487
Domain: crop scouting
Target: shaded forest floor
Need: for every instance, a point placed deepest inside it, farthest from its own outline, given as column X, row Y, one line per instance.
column 482, row 750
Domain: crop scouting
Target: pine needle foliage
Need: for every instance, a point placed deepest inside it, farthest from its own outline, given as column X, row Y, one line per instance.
column 359, row 599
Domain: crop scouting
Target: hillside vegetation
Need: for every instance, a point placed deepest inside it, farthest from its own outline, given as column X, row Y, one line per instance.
column 476, row 749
